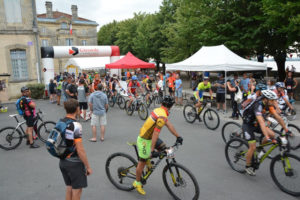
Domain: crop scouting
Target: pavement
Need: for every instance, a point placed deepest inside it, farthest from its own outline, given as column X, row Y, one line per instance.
column 33, row 174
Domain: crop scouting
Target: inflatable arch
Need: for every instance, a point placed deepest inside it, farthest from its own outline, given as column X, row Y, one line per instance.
column 49, row 53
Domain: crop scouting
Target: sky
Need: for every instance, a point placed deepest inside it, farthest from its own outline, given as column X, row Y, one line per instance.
column 102, row 11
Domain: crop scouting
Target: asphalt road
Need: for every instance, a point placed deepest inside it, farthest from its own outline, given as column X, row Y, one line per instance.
column 32, row 174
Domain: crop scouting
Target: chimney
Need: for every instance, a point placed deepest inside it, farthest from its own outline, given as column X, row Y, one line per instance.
column 49, row 13
column 74, row 12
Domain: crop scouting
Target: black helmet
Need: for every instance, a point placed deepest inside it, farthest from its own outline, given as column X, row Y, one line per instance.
column 24, row 88
column 168, row 101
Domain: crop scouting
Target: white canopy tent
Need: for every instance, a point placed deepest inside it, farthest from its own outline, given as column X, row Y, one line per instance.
column 216, row 58
column 272, row 64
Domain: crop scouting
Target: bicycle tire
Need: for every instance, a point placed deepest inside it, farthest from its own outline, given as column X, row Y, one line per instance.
column 111, row 101
column 208, row 113
column 143, row 109
column 295, row 139
column 190, row 115
column 236, row 132
column 44, row 137
column 120, row 169
column 177, row 174
column 241, row 146
column 278, row 159
column 18, row 138
column 121, row 102
column 130, row 110
column 149, row 102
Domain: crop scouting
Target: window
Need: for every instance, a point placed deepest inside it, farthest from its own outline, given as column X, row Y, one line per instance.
column 64, row 25
column 45, row 43
column 83, row 42
column 13, row 12
column 69, row 41
column 19, row 64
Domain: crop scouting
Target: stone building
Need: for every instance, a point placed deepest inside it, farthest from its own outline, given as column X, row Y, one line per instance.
column 18, row 46
column 23, row 32
column 54, row 30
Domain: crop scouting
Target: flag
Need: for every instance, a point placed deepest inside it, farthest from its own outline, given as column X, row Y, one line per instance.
column 71, row 28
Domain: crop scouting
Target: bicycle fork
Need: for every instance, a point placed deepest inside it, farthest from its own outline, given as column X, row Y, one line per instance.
column 175, row 180
column 287, row 166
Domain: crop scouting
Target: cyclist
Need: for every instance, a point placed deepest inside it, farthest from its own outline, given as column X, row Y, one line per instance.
column 271, row 109
column 253, row 121
column 28, row 106
column 149, row 86
column 133, row 85
column 198, row 93
column 148, row 139
column 283, row 99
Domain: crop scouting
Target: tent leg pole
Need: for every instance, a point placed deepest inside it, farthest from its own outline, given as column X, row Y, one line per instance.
column 225, row 91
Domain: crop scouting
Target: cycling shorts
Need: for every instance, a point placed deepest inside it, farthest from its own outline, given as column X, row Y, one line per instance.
column 200, row 95
column 144, row 147
column 249, row 131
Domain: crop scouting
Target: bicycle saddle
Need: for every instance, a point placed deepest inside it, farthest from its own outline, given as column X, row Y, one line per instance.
column 13, row 115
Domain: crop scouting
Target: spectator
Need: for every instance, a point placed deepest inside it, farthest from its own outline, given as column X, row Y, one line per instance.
column 244, row 85
column 271, row 85
column 290, row 84
column 64, row 87
column 98, row 103
column 71, row 90
column 83, row 92
column 234, row 90
column 171, row 84
column 75, row 167
column 96, row 82
column 28, row 107
column 52, row 91
column 58, row 91
column 178, row 90
column 220, row 96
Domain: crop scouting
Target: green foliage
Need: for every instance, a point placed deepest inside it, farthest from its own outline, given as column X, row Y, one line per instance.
column 182, row 27
column 37, row 90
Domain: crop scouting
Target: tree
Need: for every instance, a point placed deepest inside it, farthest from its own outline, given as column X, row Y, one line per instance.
column 107, row 35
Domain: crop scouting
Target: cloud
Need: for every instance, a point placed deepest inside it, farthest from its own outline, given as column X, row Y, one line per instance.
column 102, row 11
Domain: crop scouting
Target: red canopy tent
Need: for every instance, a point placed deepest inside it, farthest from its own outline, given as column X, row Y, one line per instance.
column 129, row 62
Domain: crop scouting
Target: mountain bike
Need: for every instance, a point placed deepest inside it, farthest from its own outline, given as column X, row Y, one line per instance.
column 137, row 105
column 284, row 167
column 179, row 181
column 11, row 137
column 119, row 99
column 155, row 98
column 210, row 117
column 233, row 129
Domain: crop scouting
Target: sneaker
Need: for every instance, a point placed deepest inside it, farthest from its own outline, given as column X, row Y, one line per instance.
column 34, row 146
column 139, row 188
column 250, row 171
column 27, row 142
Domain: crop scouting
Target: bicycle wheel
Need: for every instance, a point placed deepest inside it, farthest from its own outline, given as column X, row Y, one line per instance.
column 10, row 138
column 111, row 100
column 294, row 140
column 143, row 111
column 148, row 102
column 120, row 169
column 129, row 110
column 180, row 182
column 121, row 102
column 189, row 113
column 231, row 130
column 44, row 130
column 285, row 171
column 211, row 119
column 235, row 153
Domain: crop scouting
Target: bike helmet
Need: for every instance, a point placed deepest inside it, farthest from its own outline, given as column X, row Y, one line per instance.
column 168, row 101
column 23, row 89
column 261, row 86
column 279, row 84
column 134, row 78
column 269, row 94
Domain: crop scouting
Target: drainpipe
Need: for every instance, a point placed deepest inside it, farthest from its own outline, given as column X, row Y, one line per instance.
column 36, row 35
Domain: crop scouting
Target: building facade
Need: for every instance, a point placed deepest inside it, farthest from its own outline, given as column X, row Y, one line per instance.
column 18, row 58
column 61, row 29
column 23, row 32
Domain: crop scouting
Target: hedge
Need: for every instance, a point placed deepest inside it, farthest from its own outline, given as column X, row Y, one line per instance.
column 37, row 90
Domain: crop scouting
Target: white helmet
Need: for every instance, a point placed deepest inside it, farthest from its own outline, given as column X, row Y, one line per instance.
column 269, row 94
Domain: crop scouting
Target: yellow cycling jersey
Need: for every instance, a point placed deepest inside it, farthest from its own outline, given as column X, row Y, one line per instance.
column 154, row 122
